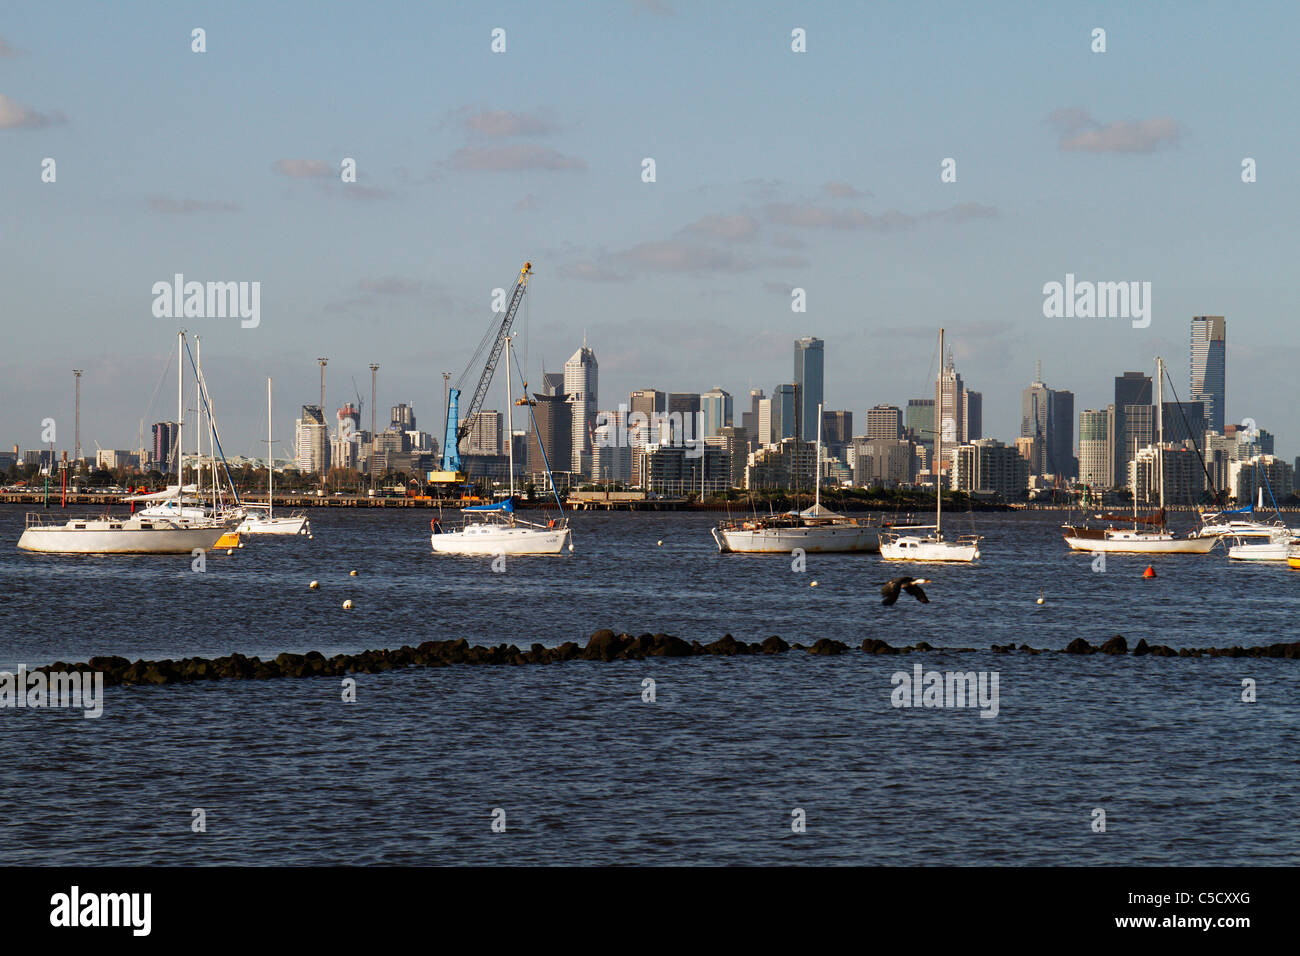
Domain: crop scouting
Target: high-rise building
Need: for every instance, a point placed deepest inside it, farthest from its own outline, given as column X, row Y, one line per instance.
column 785, row 413
column 1132, row 390
column 552, row 383
column 1209, row 366
column 164, row 442
column 950, row 405
column 885, row 421
column 886, row 462
column 580, row 386
column 311, row 443
column 986, row 465
column 716, row 404
column 973, row 415
column 403, row 418
column 767, row 434
column 735, row 443
column 554, row 419
column 1096, row 461
column 1048, row 414
column 1184, row 421
column 485, row 434
column 611, row 457
column 809, row 366
column 920, row 422
column 837, row 432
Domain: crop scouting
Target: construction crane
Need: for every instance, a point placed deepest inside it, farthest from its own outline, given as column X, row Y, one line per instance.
column 492, row 344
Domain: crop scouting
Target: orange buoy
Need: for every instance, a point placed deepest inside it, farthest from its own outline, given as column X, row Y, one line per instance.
column 1150, row 572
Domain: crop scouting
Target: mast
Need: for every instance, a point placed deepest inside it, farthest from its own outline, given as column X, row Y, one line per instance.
column 1160, row 431
column 938, row 451
column 180, row 410
column 510, row 420
column 270, row 466
column 817, row 497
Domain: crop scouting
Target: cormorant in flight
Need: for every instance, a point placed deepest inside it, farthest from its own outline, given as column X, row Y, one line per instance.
column 912, row 586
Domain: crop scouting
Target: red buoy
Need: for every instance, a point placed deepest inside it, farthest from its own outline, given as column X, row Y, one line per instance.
column 1150, row 572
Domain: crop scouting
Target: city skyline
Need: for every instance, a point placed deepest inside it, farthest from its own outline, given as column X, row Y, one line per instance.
column 684, row 282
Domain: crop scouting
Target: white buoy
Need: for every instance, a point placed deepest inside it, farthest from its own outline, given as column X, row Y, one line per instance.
column 352, row 573
column 812, row 584
column 229, row 551
column 1041, row 599
column 315, row 585
column 660, row 542
column 347, row 605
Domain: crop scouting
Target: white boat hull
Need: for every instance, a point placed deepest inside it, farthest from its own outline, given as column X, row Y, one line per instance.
column 172, row 540
column 504, row 539
column 908, row 548
column 823, row 540
column 293, row 525
column 1140, row 544
column 1260, row 551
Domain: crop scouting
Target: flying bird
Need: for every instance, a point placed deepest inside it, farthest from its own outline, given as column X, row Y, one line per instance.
column 912, row 586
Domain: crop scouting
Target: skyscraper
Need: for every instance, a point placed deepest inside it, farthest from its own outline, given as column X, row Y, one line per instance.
column 164, row 438
column 1048, row 414
column 1132, row 391
column 716, row 404
column 1209, row 367
column 311, row 443
column 554, row 418
column 809, row 365
column 785, row 413
column 920, row 422
column 885, row 421
column 1096, row 463
column 580, row 374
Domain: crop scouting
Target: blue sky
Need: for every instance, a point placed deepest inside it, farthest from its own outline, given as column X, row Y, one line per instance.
column 774, row 170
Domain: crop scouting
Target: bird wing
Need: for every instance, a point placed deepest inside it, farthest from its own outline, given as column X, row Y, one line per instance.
column 916, row 592
column 890, row 593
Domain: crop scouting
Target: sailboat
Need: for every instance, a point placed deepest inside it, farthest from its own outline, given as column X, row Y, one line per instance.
column 1252, row 540
column 1149, row 534
column 495, row 529
column 169, row 533
column 256, row 523
column 814, row 530
column 907, row 544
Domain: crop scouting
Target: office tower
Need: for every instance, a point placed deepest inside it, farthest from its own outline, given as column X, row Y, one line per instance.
column 886, row 421
column 749, row 418
column 988, row 466
column 1096, row 462
column 311, row 444
column 647, row 401
column 920, row 422
column 402, row 418
column 485, row 434
column 1184, row 421
column 972, row 415
column 950, row 405
column 580, row 386
column 716, row 404
column 837, row 427
column 611, row 456
column 735, row 442
column 554, row 418
column 164, row 440
column 1048, row 414
column 885, row 462
column 1209, row 366
column 1132, row 390
column 766, row 431
column 785, row 413
column 552, row 383
column 809, row 364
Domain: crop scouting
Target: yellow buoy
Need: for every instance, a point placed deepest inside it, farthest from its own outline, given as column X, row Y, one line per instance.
column 1041, row 599
column 352, row 573
column 315, row 585
column 812, row 584
column 347, row 605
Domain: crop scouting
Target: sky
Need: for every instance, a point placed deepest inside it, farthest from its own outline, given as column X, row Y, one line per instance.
column 774, row 170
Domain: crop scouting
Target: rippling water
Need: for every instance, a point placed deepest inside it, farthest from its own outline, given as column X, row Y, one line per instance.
column 709, row 773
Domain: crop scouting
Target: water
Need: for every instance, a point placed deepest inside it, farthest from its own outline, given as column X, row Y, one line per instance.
column 708, row 773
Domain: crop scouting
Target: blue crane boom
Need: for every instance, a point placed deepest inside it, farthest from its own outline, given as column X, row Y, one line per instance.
column 456, row 430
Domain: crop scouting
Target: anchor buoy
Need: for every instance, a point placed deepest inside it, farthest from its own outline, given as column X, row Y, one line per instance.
column 551, row 523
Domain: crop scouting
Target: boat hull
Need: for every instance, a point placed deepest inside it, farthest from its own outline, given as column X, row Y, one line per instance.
column 503, row 540
column 829, row 540
column 1263, row 551
column 1139, row 544
column 293, row 525
column 61, row 540
column 920, row 549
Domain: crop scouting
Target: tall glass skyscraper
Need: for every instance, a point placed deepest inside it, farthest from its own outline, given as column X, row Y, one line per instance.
column 809, row 366
column 1209, row 367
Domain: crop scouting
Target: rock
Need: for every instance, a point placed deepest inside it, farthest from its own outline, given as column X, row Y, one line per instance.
column 1116, row 645
column 1142, row 648
column 874, row 646
column 1080, row 646
column 774, row 645
column 826, row 646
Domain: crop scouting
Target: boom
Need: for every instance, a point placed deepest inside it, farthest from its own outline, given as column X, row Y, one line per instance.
column 458, row 428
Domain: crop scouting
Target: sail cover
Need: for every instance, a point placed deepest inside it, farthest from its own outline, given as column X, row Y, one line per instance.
column 507, row 505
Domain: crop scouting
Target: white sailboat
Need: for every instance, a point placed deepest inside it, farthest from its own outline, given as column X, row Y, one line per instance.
column 815, row 530
column 168, row 533
column 908, row 543
column 1149, row 535
column 255, row 522
column 496, row 529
